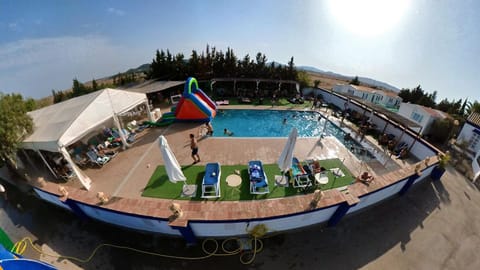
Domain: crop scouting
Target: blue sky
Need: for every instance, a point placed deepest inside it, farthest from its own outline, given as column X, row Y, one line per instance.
column 435, row 43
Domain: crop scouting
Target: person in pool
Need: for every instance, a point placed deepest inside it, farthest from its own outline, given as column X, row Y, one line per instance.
column 227, row 132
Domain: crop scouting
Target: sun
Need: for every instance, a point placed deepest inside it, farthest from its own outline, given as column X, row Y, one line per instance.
column 368, row 17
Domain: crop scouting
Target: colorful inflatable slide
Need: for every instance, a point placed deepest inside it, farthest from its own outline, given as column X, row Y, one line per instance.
column 194, row 105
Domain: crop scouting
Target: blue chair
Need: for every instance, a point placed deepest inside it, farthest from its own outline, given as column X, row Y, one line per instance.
column 258, row 178
column 211, row 181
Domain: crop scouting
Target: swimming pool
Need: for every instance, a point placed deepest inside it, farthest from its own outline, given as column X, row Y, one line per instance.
column 267, row 123
column 279, row 123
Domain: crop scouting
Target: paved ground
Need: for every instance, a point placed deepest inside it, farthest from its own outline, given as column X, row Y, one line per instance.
column 434, row 226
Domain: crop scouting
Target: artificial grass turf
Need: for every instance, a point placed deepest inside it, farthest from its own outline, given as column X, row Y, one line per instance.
column 160, row 187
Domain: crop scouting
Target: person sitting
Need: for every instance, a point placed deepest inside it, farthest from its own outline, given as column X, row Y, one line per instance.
column 391, row 145
column 403, row 153
column 383, row 139
column 317, row 168
column 227, row 132
column 347, row 137
column 365, row 178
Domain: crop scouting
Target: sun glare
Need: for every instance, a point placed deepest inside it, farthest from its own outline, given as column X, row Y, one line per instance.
column 368, row 17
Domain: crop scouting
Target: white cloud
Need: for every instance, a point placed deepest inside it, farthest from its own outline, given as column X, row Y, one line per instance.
column 35, row 66
column 115, row 11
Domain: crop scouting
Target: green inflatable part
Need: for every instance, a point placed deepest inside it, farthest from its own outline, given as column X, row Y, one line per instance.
column 168, row 116
column 161, row 123
column 5, row 240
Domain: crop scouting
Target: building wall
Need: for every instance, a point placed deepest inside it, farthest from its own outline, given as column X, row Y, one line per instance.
column 407, row 110
column 467, row 134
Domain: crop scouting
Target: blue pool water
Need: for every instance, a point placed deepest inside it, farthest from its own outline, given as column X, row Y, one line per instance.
column 270, row 123
column 267, row 123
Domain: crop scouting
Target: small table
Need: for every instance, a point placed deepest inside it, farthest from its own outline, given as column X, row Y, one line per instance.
column 234, row 180
column 321, row 179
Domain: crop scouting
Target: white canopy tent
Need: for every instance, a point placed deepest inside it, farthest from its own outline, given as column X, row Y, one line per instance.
column 62, row 124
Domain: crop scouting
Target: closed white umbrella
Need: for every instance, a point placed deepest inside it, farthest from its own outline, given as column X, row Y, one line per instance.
column 476, row 167
column 172, row 167
column 285, row 160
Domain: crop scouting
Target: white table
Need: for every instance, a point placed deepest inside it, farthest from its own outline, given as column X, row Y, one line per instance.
column 234, row 180
column 321, row 178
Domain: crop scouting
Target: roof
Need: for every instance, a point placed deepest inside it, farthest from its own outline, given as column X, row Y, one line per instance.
column 389, row 114
column 63, row 123
column 474, row 118
column 374, row 90
column 434, row 112
column 153, row 86
column 431, row 111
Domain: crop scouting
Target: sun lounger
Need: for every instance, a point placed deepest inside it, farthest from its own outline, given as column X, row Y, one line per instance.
column 258, row 178
column 300, row 176
column 96, row 159
column 222, row 102
column 211, row 181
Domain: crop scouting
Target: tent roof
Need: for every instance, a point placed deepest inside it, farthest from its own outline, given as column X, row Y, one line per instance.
column 154, row 86
column 63, row 123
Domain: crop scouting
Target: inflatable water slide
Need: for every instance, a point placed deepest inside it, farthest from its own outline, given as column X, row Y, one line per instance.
column 194, row 105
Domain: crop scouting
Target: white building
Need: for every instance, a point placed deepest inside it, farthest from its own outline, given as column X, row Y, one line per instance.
column 384, row 98
column 422, row 115
column 470, row 133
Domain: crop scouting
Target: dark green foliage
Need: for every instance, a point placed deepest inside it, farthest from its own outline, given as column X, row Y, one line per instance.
column 15, row 124
column 441, row 130
column 355, row 81
column 215, row 63
column 418, row 96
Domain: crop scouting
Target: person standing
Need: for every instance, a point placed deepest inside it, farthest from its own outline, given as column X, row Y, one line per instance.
column 194, row 147
column 209, row 128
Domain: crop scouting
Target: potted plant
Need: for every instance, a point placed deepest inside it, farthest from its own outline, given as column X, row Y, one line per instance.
column 439, row 170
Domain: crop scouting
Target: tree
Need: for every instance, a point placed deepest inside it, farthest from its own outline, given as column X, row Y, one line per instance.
column 473, row 107
column 30, row 104
column 303, row 79
column 94, row 85
column 316, row 83
column 355, row 81
column 15, row 124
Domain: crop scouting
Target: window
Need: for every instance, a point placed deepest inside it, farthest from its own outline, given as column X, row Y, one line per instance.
column 417, row 117
column 474, row 140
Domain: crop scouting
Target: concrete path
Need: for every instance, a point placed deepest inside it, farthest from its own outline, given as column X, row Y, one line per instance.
column 434, row 226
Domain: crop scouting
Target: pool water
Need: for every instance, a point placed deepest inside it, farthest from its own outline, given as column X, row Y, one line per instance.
column 279, row 123
column 267, row 123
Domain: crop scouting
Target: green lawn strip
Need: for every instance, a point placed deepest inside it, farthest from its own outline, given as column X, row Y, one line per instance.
column 160, row 187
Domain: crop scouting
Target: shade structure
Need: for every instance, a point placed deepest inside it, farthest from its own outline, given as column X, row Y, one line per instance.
column 172, row 167
column 285, row 159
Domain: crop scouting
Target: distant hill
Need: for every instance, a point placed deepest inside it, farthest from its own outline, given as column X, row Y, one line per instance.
column 363, row 80
column 141, row 68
